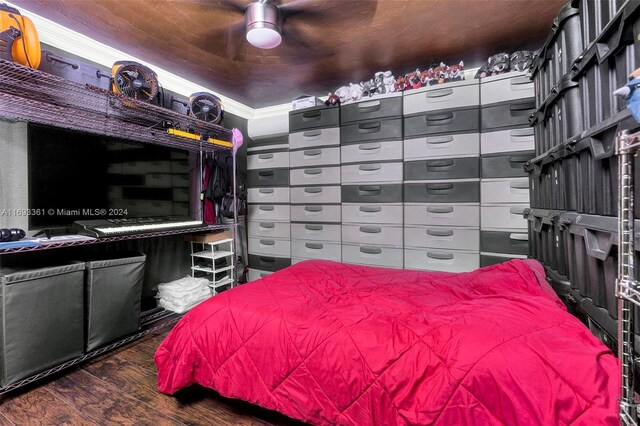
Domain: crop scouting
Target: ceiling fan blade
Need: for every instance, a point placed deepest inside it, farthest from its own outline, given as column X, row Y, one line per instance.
column 323, row 12
column 299, row 48
column 225, row 41
column 233, row 5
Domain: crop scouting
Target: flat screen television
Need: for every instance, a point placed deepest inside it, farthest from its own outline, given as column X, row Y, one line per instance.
column 79, row 176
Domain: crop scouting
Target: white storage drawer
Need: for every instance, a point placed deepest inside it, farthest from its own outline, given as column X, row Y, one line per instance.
column 315, row 176
column 507, row 216
column 268, row 195
column 507, row 141
column 317, row 250
column 372, row 172
column 268, row 212
column 314, row 138
column 441, row 260
column 256, row 274
column 514, row 190
column 371, row 151
column 461, row 145
column 313, row 157
column 451, row 95
column 315, row 213
column 387, row 257
column 442, row 237
column 390, row 214
column 386, row 235
column 268, row 160
column 442, row 214
column 315, row 195
column 315, row 232
column 505, row 87
column 269, row 246
column 269, row 229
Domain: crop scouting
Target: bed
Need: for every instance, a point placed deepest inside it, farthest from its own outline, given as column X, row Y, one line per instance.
column 333, row 343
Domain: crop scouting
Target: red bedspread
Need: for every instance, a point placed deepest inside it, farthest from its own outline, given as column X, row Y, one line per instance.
column 333, row 343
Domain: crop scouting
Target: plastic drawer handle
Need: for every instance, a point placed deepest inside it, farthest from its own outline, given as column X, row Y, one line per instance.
column 314, row 227
column 440, row 232
column 313, row 190
column 370, row 209
column 313, row 172
column 370, row 188
column 313, row 209
column 520, row 159
column 369, row 146
column 370, row 229
column 439, row 93
column 267, row 225
column 522, row 133
column 519, row 237
column 518, row 81
column 370, row 127
column 312, row 115
column 519, row 185
column 311, row 134
column 314, row 246
column 266, row 208
column 369, row 167
column 439, row 117
column 439, row 209
column 265, row 156
column 267, row 260
column 265, row 173
column 517, row 210
column 370, row 250
column 439, row 163
column 266, row 190
column 312, row 152
column 438, row 186
column 523, row 106
column 439, row 255
column 369, row 106
column 438, row 141
column 268, row 242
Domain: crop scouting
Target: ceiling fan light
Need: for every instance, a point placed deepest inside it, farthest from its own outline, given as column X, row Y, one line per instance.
column 264, row 38
column 264, row 25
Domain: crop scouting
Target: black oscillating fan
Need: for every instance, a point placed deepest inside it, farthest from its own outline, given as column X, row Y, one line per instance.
column 206, row 107
column 134, row 80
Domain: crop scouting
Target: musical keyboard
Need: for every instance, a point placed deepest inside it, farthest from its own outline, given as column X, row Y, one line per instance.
column 100, row 228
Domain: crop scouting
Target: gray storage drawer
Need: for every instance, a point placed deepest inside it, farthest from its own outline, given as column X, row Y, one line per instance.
column 42, row 319
column 268, row 160
column 507, row 141
column 270, row 246
column 372, row 130
column 316, row 213
column 315, row 176
column 371, row 152
column 265, row 195
column 278, row 177
column 504, row 242
column 391, row 193
column 388, row 257
column 385, row 235
column 268, row 263
column 464, row 144
column 445, row 168
column 512, row 114
column 489, row 260
column 371, row 172
column 256, row 274
column 269, row 229
column 514, row 190
column 315, row 232
column 441, row 260
column 442, row 214
column 448, row 121
column 451, row 95
column 317, row 250
column 158, row 180
column 314, row 138
column 443, row 237
column 268, row 212
column 314, row 117
column 372, row 213
column 371, row 109
column 446, row 192
column 505, row 87
column 180, row 194
column 508, row 165
column 315, row 195
column 508, row 216
column 314, row 157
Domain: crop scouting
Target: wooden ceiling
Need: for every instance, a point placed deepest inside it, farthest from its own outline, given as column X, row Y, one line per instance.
column 329, row 44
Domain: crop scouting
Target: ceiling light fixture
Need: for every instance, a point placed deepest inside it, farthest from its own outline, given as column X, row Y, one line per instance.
column 264, row 25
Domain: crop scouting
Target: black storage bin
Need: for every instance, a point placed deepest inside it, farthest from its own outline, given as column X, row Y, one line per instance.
column 371, row 130
column 547, row 238
column 446, row 168
column 505, row 165
column 389, row 193
column 276, row 177
column 42, row 319
column 504, row 242
column 511, row 114
column 113, row 290
column 443, row 121
column 313, row 118
column 547, row 181
column 596, row 15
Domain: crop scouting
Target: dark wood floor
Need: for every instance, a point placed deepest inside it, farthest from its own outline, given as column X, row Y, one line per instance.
column 120, row 389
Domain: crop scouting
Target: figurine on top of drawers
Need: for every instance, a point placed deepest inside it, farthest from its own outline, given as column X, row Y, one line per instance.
column 501, row 63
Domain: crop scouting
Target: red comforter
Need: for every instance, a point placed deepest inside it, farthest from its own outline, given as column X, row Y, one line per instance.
column 333, row 343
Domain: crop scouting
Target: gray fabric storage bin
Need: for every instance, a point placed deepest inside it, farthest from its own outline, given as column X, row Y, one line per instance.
column 113, row 289
column 42, row 319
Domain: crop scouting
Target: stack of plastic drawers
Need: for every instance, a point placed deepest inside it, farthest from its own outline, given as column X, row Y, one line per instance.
column 314, row 152
column 441, row 174
column 507, row 102
column 371, row 144
column 269, row 231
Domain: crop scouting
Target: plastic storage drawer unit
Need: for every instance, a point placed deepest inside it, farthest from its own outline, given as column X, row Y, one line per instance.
column 42, row 319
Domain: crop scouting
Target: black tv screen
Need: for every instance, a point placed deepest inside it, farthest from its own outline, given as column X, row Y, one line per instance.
column 79, row 176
